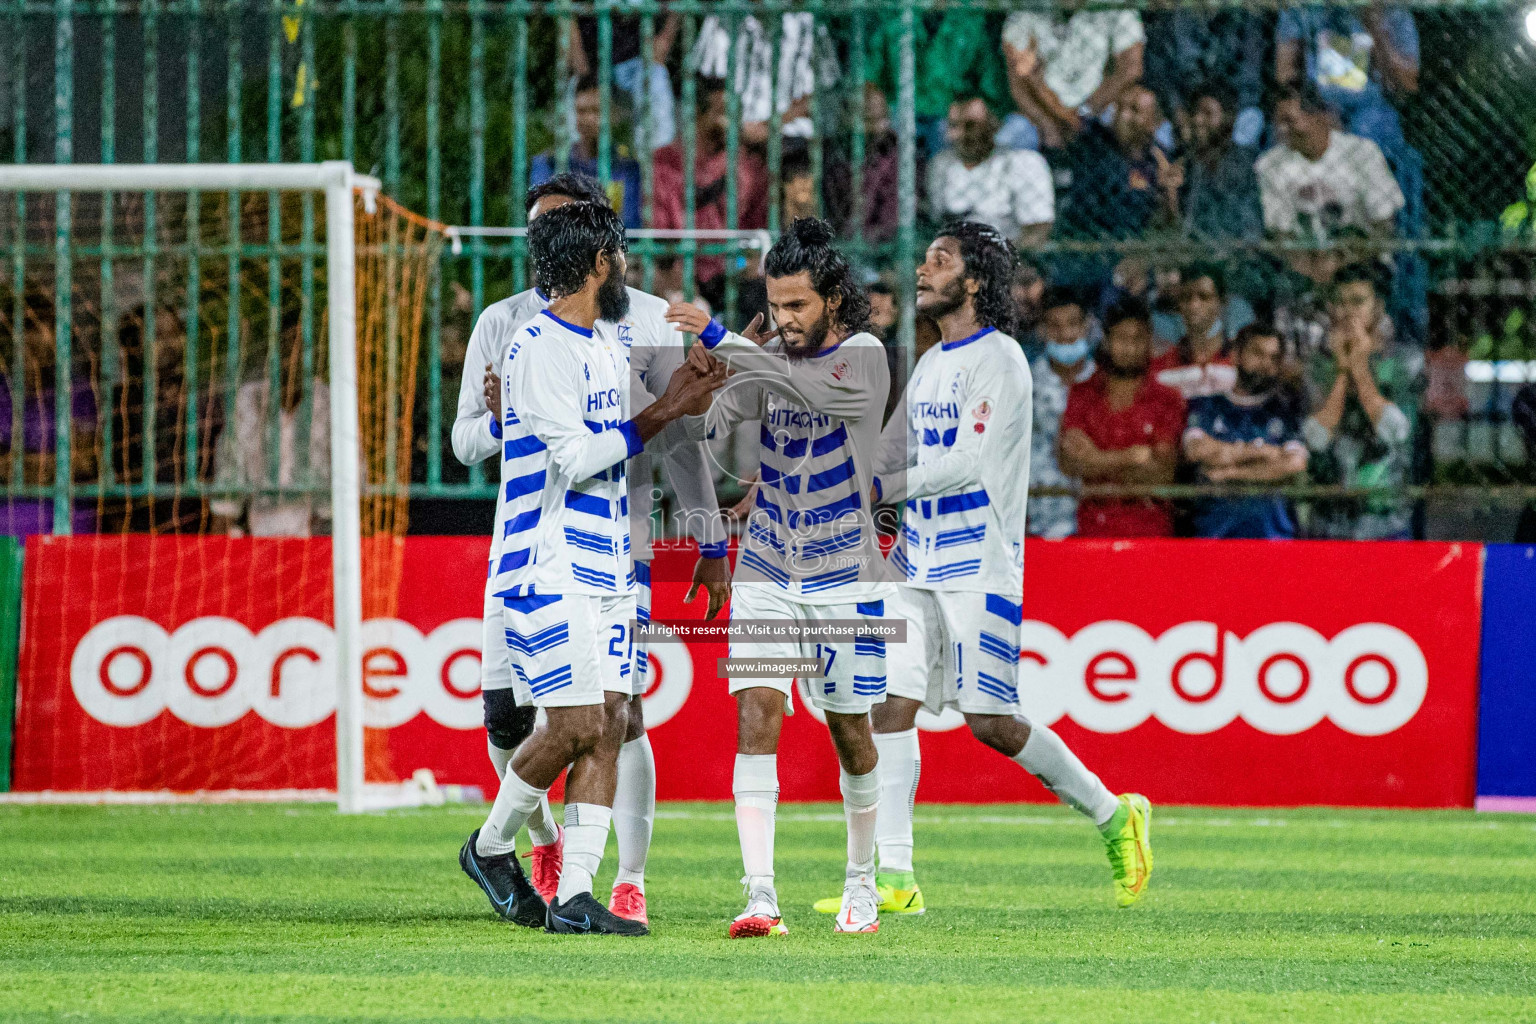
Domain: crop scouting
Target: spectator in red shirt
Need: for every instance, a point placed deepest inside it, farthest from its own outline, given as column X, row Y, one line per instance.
column 1123, row 427
column 709, row 184
column 1200, row 365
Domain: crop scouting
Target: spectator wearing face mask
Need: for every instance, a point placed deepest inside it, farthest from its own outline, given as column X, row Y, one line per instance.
column 1122, row 427
column 1199, row 365
column 1066, row 360
column 1251, row 435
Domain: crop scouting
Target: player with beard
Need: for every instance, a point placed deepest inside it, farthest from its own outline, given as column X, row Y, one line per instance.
column 957, row 452
column 655, row 352
column 563, row 571
column 818, row 385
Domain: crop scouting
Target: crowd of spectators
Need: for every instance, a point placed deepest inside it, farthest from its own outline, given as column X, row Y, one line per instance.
column 1214, row 128
column 1110, row 408
column 1116, row 134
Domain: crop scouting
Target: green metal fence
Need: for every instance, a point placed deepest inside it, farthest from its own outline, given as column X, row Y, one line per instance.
column 449, row 103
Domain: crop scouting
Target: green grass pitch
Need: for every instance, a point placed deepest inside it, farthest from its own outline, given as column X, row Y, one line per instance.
column 291, row 913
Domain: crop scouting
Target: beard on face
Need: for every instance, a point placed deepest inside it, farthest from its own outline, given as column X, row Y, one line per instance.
column 1125, row 371
column 1250, row 383
column 612, row 296
column 944, row 301
column 810, row 344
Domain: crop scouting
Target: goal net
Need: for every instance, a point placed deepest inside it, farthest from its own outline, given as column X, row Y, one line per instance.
column 208, row 380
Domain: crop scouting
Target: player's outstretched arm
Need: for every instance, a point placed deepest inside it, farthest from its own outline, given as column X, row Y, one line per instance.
column 892, row 457
column 549, row 396
column 849, row 389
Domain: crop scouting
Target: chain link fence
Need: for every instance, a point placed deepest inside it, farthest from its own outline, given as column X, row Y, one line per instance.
column 1118, row 144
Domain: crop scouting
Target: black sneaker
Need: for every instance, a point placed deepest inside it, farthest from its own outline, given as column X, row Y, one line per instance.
column 583, row 915
column 502, row 880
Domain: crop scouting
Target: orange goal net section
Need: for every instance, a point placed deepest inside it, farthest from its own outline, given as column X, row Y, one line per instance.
column 209, row 377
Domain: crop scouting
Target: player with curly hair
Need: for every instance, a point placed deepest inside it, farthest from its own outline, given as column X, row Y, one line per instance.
column 818, row 385
column 956, row 451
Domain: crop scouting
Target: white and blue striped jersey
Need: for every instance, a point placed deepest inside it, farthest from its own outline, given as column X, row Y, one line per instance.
column 811, row 531
column 656, row 350
column 957, row 450
column 562, row 524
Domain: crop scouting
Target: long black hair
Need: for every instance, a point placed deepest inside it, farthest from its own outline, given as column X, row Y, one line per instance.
column 989, row 261
column 808, row 247
column 563, row 245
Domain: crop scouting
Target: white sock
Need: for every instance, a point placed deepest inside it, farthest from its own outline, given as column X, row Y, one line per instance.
column 861, row 803
column 1047, row 758
column 515, row 801
column 499, row 758
column 901, row 763
column 755, row 784
column 541, row 824
column 586, row 833
column 634, row 810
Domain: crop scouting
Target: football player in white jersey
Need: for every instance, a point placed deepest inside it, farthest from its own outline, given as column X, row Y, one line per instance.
column 655, row 352
column 956, row 451
column 818, row 386
column 563, row 569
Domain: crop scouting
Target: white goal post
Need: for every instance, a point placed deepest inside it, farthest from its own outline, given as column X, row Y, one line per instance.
column 337, row 181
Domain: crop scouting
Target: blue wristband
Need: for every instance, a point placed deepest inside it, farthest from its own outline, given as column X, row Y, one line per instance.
column 716, row 550
column 632, row 437
column 712, row 334
column 495, row 426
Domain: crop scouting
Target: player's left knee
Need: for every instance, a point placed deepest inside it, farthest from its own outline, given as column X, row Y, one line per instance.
column 507, row 724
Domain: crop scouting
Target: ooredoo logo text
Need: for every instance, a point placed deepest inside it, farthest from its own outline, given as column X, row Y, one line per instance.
column 212, row 671
column 1282, row 678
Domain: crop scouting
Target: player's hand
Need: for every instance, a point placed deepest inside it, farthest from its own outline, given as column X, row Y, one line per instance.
column 491, row 383
column 743, row 508
column 1138, row 455
column 755, row 333
column 685, row 316
column 691, row 389
column 699, row 358
column 714, row 575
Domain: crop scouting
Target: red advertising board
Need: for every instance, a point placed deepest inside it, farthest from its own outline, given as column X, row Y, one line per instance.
column 1218, row 672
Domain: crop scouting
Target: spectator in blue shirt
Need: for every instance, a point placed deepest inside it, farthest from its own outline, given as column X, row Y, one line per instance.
column 623, row 184
column 1252, row 435
column 1362, row 60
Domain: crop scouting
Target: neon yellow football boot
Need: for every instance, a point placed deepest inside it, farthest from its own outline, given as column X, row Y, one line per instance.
column 899, row 894
column 1128, row 842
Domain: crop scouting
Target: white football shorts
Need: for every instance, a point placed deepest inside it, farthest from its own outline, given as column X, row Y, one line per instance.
column 962, row 651
column 566, row 650
column 495, row 659
column 640, row 677
column 855, row 678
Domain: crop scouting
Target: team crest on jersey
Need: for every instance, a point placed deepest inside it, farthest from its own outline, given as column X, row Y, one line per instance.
column 983, row 410
column 586, row 369
column 840, row 369
column 624, row 335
